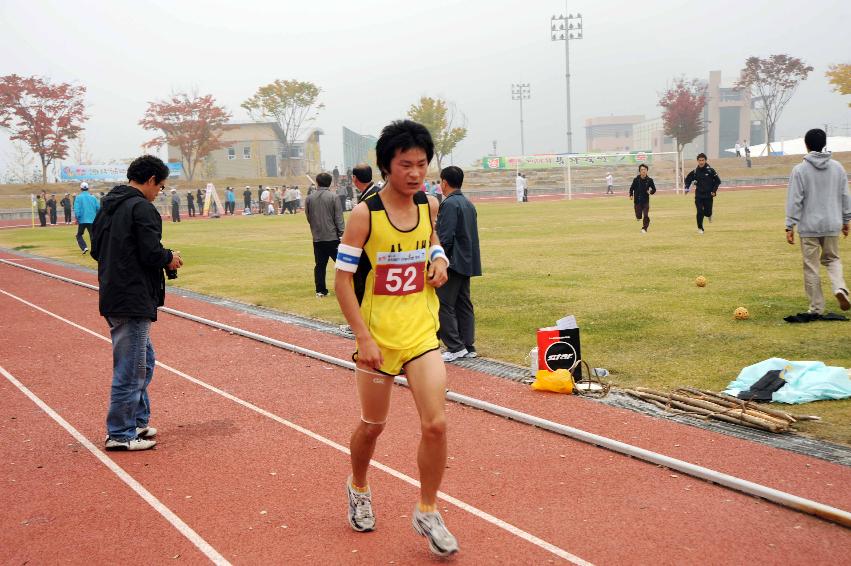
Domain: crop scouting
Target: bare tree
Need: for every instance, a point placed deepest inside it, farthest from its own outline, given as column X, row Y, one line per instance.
column 21, row 165
column 80, row 152
column 773, row 80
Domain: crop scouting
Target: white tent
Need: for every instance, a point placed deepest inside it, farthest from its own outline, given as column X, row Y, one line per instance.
column 797, row 147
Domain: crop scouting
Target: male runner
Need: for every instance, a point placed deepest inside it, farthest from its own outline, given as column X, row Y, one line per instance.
column 706, row 182
column 395, row 321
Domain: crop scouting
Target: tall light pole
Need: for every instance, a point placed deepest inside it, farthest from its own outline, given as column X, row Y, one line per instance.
column 521, row 92
column 566, row 28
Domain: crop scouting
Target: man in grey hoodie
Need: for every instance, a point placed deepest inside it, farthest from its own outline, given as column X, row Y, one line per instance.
column 819, row 203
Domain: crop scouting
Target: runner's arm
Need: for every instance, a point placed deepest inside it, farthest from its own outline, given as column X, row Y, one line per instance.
column 355, row 235
column 437, row 270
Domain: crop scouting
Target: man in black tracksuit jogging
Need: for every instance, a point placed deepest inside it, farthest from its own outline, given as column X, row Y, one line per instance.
column 640, row 190
column 706, row 185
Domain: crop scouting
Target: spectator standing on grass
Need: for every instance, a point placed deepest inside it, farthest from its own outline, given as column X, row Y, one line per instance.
column 41, row 204
column 85, row 209
column 246, row 200
column 738, row 149
column 175, row 206
column 458, row 230
column 706, row 182
column 230, row 201
column 279, row 200
column 639, row 191
column 289, row 200
column 131, row 260
column 342, row 195
column 435, row 192
column 325, row 216
column 190, row 204
column 610, row 184
column 819, row 204
column 362, row 178
column 199, row 196
column 519, row 187
column 66, row 207
column 297, row 198
column 266, row 201
column 51, row 209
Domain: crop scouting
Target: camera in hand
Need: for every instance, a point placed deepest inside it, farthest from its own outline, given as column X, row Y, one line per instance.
column 171, row 273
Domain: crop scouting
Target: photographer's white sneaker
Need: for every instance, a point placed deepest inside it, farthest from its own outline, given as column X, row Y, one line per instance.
column 452, row 356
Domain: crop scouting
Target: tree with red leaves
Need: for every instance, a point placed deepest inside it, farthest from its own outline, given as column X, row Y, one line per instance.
column 43, row 115
column 682, row 114
column 773, row 81
column 192, row 123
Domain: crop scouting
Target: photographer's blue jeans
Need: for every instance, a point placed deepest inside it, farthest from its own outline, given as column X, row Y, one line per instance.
column 132, row 369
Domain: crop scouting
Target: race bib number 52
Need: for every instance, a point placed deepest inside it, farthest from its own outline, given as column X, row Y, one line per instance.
column 400, row 273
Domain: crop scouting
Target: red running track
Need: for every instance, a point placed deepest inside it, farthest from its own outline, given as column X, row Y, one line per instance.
column 259, row 491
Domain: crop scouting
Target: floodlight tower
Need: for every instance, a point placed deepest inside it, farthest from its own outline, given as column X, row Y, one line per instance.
column 521, row 92
column 566, row 28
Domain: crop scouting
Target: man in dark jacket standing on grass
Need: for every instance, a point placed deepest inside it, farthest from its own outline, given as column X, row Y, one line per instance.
column 706, row 186
column 126, row 242
column 66, row 207
column 640, row 190
column 190, row 204
column 458, row 230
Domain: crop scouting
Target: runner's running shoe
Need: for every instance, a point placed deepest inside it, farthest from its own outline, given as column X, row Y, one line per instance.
column 430, row 525
column 361, row 517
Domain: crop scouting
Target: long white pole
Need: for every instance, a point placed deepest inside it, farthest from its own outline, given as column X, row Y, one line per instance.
column 522, row 138
column 567, row 80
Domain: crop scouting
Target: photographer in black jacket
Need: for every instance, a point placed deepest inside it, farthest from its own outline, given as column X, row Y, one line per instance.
column 706, row 185
column 131, row 260
column 640, row 190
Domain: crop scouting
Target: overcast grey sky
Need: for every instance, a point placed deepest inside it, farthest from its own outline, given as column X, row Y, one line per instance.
column 373, row 59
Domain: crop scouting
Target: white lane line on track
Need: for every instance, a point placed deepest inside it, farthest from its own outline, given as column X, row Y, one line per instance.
column 787, row 500
column 140, row 490
column 508, row 527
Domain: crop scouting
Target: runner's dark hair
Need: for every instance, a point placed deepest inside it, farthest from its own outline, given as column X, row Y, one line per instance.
column 401, row 135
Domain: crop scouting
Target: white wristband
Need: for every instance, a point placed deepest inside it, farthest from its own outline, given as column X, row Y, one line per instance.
column 435, row 252
column 348, row 258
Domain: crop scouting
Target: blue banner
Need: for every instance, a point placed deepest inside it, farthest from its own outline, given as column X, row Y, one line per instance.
column 108, row 172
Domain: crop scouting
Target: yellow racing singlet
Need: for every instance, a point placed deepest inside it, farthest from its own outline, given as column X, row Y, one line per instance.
column 399, row 307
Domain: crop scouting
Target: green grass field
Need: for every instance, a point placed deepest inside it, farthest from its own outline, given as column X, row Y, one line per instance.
column 640, row 313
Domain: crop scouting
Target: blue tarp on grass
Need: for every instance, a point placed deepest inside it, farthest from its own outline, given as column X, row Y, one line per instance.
column 805, row 381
